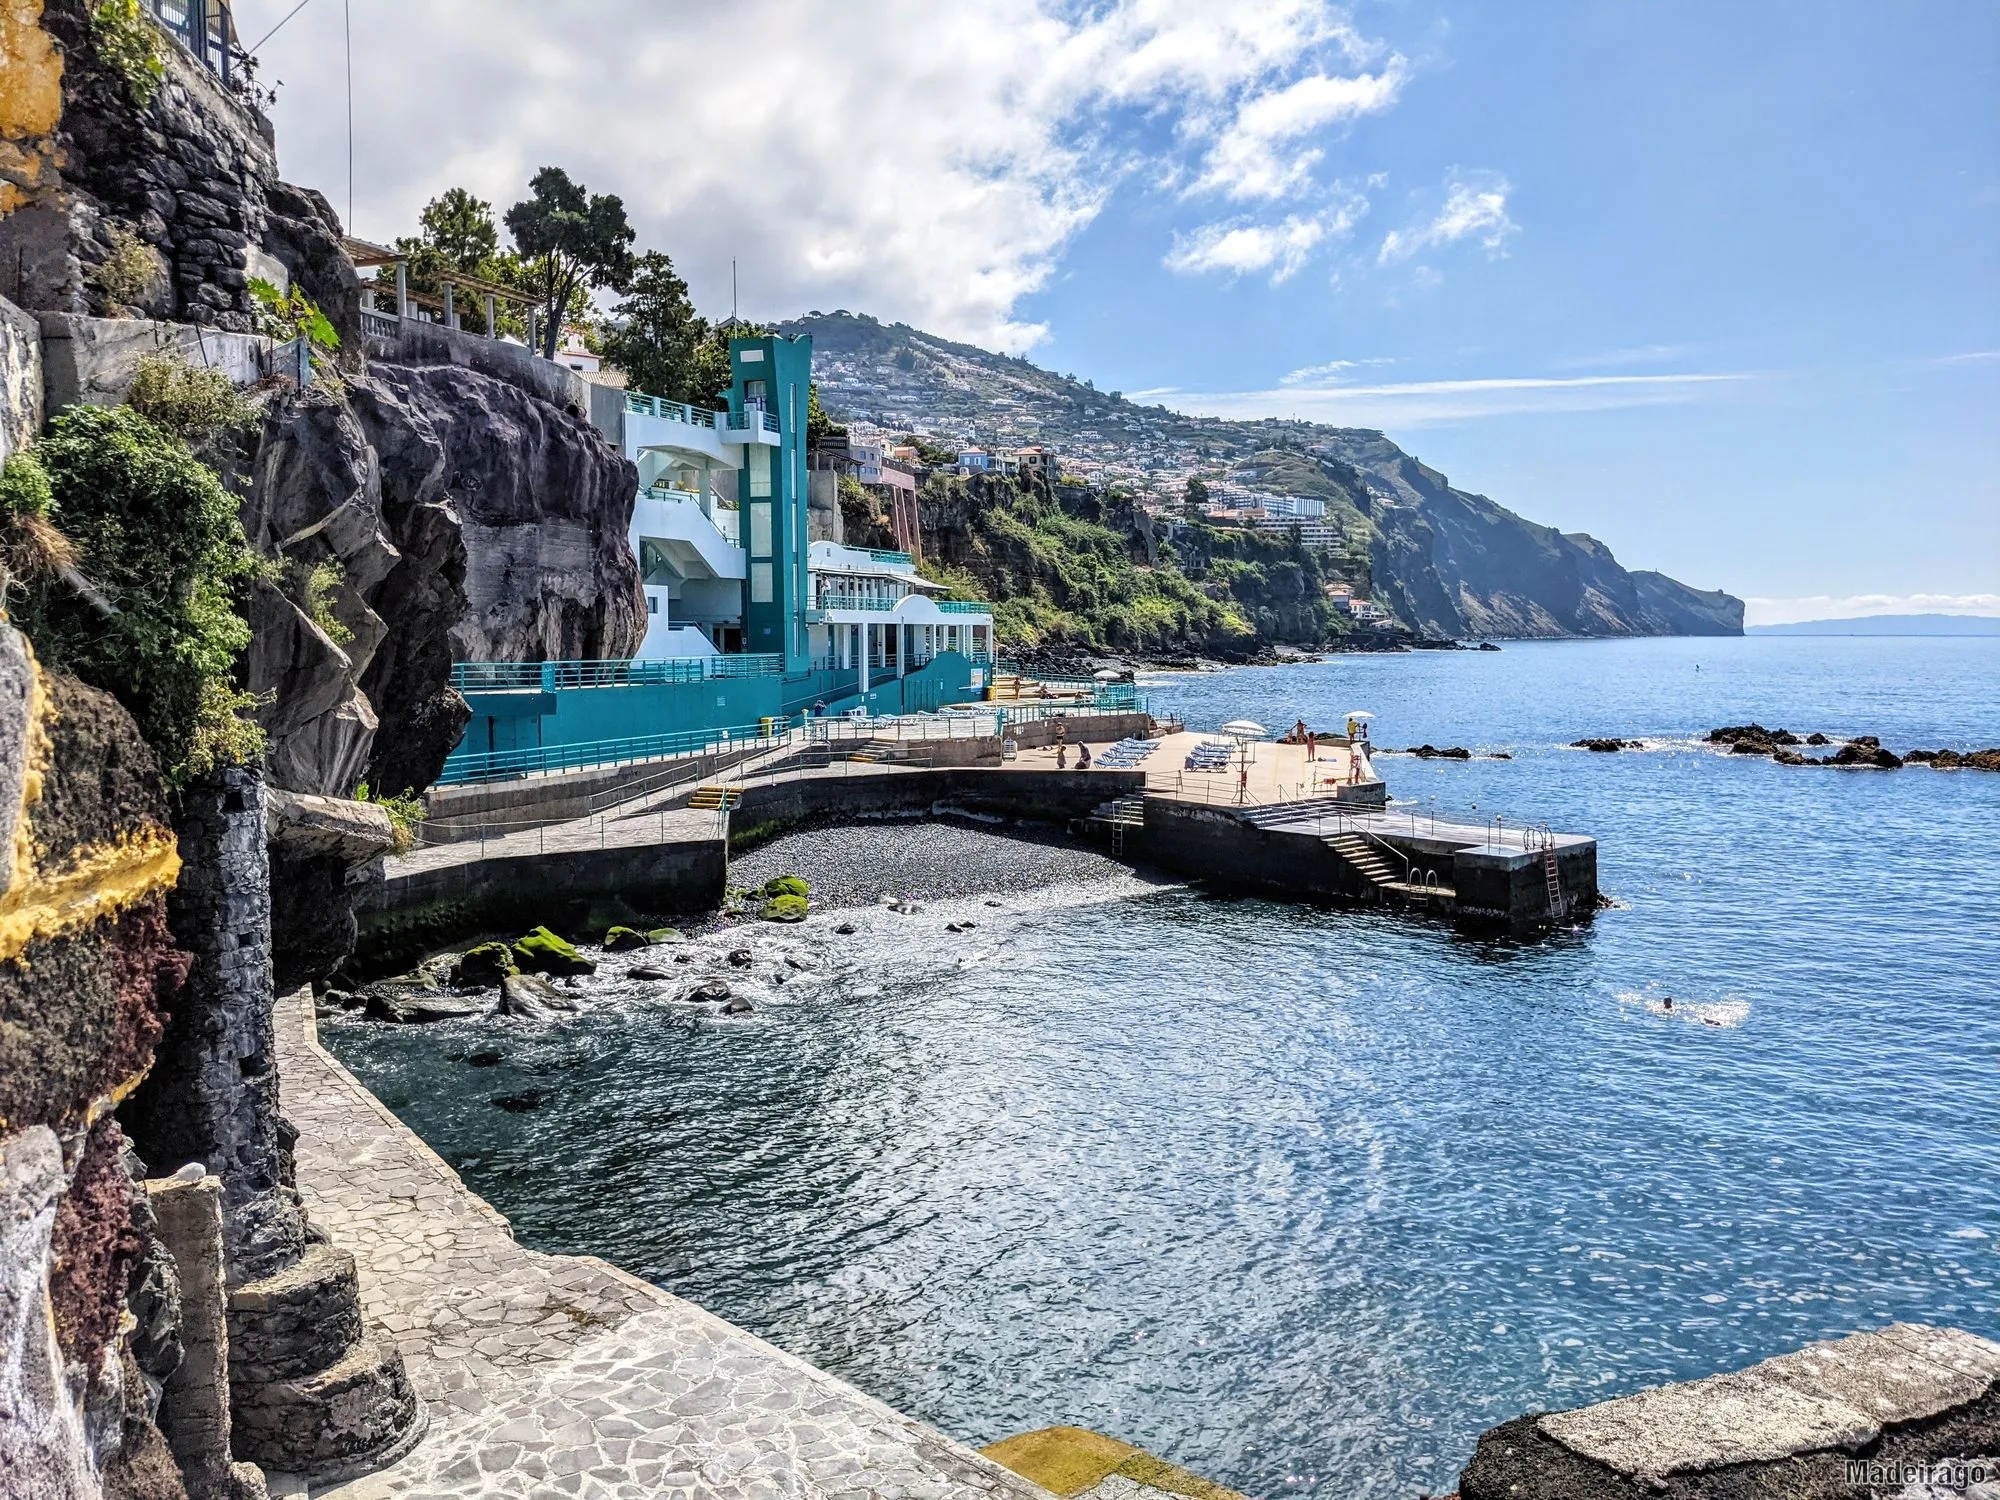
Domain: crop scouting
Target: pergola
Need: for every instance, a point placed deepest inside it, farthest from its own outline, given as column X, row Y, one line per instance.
column 364, row 255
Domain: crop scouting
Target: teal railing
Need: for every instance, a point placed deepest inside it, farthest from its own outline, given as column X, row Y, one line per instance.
column 876, row 554
column 507, row 765
column 672, row 411
column 547, row 676
column 832, row 600
column 965, row 606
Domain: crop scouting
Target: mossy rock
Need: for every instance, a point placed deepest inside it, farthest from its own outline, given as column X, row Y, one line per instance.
column 784, row 885
column 622, row 939
column 665, row 935
column 785, row 908
column 542, row 952
column 483, row 967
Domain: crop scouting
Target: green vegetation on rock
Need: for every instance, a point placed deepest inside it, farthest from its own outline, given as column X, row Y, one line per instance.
column 146, row 610
column 483, row 966
column 785, row 885
column 784, row 909
column 542, row 952
column 623, row 939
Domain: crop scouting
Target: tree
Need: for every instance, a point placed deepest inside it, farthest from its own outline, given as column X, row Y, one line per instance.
column 460, row 227
column 656, row 336
column 571, row 241
column 819, row 425
column 1197, row 494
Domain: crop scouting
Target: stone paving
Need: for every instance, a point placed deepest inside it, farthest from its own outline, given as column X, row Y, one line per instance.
column 562, row 1375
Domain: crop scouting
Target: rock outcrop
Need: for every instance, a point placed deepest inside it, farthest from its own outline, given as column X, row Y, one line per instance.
column 86, row 859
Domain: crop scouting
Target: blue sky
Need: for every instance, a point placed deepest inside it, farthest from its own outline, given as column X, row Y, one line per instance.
column 1717, row 283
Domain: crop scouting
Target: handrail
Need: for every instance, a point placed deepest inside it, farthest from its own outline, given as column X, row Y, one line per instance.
column 546, row 676
column 965, row 606
column 641, row 404
column 504, row 765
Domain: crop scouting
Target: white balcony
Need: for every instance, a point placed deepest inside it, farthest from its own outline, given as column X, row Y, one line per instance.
column 693, row 539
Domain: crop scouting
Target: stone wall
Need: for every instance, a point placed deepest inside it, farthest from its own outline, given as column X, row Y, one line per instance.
column 20, row 379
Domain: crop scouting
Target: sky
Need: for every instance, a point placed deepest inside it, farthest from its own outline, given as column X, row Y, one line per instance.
column 1716, row 283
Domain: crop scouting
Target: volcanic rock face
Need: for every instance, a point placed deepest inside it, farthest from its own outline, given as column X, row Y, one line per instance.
column 85, row 860
column 544, row 507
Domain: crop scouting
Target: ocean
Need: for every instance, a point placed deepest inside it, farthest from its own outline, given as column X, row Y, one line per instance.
column 1306, row 1199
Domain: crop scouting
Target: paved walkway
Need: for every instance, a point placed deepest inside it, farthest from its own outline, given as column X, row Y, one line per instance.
column 562, row 1375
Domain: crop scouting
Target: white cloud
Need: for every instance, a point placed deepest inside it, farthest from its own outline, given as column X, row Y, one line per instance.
column 1474, row 206
column 1765, row 611
column 921, row 161
column 1332, row 370
column 1238, row 247
column 1259, row 155
column 1418, row 403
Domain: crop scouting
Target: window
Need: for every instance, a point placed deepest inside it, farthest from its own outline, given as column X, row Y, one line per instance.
column 760, row 580
column 760, row 530
column 760, row 473
column 652, row 604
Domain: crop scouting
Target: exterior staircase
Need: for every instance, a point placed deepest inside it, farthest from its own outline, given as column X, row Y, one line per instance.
column 716, row 798
column 877, row 751
column 1368, row 858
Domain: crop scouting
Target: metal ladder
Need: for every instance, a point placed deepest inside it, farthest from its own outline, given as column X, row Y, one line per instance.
column 1121, row 814
column 1558, row 902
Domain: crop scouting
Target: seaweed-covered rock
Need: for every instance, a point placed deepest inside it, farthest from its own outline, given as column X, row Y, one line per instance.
column 787, row 908
column 785, row 885
column 542, row 952
column 665, row 935
column 484, row 967
column 623, row 940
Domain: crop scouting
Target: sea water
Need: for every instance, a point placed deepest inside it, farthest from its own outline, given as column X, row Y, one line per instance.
column 1306, row 1199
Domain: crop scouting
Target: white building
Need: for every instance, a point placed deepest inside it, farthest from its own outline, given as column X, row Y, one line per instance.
column 871, row 611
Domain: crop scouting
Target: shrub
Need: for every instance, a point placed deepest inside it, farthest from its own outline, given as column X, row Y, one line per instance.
column 405, row 813
column 193, row 403
column 129, row 44
column 122, row 277
column 151, row 619
column 312, row 586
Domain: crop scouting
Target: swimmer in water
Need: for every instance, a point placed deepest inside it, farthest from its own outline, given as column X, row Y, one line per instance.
column 1667, row 1004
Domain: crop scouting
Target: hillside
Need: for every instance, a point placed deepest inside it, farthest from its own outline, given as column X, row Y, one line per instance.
column 1446, row 562
column 1929, row 625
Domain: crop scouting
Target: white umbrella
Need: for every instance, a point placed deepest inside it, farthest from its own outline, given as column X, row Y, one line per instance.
column 1105, row 674
column 1244, row 729
column 1359, row 713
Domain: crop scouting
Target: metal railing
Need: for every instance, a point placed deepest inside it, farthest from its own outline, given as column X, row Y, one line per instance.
column 965, row 606
column 833, row 599
column 506, row 765
column 547, row 676
column 639, row 403
column 203, row 27
column 877, row 554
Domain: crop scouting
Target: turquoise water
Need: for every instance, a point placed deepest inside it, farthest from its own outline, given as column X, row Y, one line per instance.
column 1305, row 1200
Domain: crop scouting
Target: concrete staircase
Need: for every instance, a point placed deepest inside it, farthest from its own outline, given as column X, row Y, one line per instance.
column 716, row 798
column 1368, row 858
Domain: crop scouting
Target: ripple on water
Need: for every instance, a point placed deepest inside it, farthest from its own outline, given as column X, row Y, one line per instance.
column 1305, row 1200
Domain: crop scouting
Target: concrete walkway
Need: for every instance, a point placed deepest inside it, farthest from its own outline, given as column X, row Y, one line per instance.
column 562, row 1375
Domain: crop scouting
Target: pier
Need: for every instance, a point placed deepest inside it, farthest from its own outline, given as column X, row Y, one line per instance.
column 1257, row 816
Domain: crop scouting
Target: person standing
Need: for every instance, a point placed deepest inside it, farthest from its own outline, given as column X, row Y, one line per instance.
column 1062, row 756
column 1312, row 745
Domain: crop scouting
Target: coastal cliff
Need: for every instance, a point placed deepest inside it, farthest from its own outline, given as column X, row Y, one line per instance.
column 1446, row 563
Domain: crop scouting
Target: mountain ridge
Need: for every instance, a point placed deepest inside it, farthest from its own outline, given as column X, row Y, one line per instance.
column 1446, row 562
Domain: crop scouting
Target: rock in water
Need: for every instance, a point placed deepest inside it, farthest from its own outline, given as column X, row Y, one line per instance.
column 646, row 971
column 741, row 958
column 738, row 1006
column 623, row 939
column 715, row 992
column 785, row 885
column 484, row 966
column 783, row 909
column 520, row 1104
column 535, row 999
column 542, row 952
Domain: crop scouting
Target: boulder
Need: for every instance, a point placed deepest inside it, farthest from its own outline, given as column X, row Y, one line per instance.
column 845, row 929
column 646, row 971
column 415, row 1005
column 738, row 1006
column 741, row 958
column 623, row 940
column 483, row 967
column 520, row 1104
column 531, row 997
column 1864, row 754
column 1816, row 738
column 1603, row 746
column 785, row 885
column 783, row 909
column 712, row 993
column 483, row 1059
column 665, row 935
column 542, row 952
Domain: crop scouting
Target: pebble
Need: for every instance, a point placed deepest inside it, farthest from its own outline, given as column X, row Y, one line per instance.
column 916, row 862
